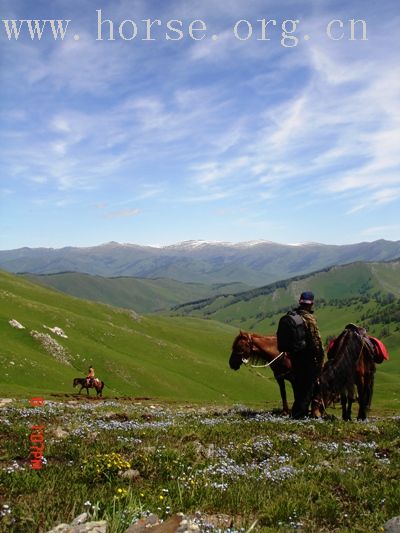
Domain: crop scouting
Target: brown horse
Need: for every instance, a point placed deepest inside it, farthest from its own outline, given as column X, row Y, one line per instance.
column 87, row 384
column 251, row 346
column 350, row 365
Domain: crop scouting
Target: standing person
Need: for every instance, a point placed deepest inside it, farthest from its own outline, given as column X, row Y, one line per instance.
column 307, row 362
column 90, row 376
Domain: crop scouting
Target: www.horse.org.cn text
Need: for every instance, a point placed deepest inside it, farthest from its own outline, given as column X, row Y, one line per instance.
column 287, row 32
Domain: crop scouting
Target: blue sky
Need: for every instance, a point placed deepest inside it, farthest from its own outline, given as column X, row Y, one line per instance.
column 155, row 142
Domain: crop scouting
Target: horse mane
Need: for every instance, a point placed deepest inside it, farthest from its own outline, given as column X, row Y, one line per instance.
column 339, row 371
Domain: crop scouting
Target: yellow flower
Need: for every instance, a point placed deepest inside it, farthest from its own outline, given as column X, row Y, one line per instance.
column 161, row 497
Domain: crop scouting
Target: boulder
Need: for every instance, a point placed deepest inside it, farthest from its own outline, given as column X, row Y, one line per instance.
column 392, row 525
column 144, row 526
column 89, row 527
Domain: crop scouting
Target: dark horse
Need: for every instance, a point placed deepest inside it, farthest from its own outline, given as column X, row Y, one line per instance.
column 87, row 384
column 251, row 346
column 350, row 365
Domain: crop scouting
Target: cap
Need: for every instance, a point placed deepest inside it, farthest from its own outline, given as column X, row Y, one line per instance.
column 306, row 297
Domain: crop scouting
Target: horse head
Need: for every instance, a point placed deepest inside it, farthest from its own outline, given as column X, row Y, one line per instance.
column 241, row 350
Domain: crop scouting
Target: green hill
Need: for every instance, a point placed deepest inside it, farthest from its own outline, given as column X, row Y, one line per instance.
column 363, row 293
column 140, row 294
column 335, row 285
column 171, row 358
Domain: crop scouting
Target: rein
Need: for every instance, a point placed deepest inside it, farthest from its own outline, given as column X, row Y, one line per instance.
column 270, row 363
column 245, row 361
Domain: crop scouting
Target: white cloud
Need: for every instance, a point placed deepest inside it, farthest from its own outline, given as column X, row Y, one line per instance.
column 123, row 213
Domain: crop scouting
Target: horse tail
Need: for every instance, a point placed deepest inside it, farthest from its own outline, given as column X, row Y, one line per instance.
column 338, row 374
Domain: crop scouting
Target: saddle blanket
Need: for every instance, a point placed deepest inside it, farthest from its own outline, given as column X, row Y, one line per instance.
column 381, row 353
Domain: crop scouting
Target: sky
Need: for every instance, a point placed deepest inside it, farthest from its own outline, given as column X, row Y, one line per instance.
column 187, row 119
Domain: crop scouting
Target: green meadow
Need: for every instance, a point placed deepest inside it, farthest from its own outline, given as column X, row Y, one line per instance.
column 172, row 358
column 228, row 469
column 175, row 358
column 201, row 439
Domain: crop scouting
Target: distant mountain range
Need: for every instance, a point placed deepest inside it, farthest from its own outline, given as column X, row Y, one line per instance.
column 254, row 263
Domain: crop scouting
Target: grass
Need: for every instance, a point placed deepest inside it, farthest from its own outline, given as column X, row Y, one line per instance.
column 141, row 294
column 173, row 358
column 237, row 463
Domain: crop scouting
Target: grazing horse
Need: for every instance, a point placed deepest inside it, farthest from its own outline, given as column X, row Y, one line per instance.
column 350, row 365
column 251, row 346
column 87, row 384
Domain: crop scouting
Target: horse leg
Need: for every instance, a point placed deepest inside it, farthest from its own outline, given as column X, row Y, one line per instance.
column 362, row 406
column 282, row 388
column 365, row 389
column 350, row 401
column 81, row 389
column 346, row 406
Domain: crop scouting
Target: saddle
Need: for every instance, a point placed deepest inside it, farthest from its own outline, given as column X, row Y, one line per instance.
column 92, row 381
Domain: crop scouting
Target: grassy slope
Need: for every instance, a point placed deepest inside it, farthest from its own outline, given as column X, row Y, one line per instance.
column 171, row 358
column 176, row 358
column 248, row 311
column 337, row 283
column 141, row 294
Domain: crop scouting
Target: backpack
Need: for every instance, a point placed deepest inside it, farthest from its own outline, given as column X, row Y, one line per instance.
column 291, row 334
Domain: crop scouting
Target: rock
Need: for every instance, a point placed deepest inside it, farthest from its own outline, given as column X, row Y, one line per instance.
column 60, row 433
column 81, row 519
column 15, row 324
column 135, row 316
column 89, row 527
column 61, row 528
column 130, row 474
column 57, row 331
column 5, row 401
column 143, row 525
column 92, row 527
column 392, row 525
column 52, row 347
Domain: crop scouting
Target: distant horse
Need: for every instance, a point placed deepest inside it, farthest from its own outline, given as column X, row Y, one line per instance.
column 252, row 347
column 87, row 384
column 350, row 365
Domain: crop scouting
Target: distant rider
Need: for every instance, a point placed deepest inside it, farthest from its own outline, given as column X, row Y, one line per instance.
column 90, row 376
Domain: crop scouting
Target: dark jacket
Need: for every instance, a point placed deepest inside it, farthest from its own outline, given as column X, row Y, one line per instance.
column 313, row 337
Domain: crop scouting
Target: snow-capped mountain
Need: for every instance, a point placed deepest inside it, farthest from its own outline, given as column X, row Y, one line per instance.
column 253, row 262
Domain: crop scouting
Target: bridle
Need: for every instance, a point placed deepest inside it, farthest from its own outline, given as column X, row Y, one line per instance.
column 250, row 344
